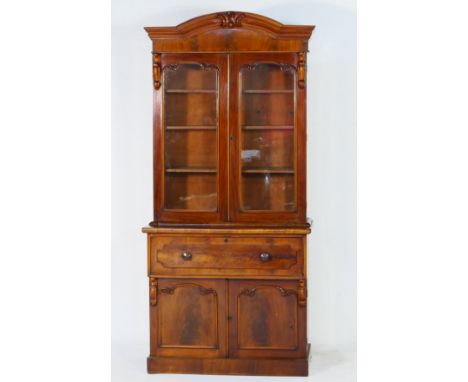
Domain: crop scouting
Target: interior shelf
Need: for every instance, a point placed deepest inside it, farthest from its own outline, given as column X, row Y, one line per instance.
column 191, row 170
column 191, row 127
column 267, row 171
column 269, row 127
column 191, row 91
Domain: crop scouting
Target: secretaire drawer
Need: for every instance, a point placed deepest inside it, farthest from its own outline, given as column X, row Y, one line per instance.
column 226, row 256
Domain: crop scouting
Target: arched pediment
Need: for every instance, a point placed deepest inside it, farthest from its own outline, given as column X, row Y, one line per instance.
column 228, row 31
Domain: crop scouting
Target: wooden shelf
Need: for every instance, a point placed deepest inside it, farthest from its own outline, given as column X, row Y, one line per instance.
column 269, row 127
column 191, row 170
column 186, row 91
column 272, row 91
column 191, row 127
column 267, row 171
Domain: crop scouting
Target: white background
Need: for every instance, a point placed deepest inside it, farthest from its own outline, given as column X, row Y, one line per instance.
column 55, row 239
column 331, row 171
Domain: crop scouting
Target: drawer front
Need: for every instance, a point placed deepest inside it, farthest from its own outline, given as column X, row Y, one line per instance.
column 226, row 256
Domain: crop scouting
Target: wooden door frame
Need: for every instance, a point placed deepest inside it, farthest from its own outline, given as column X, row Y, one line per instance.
column 186, row 216
column 167, row 286
column 236, row 213
column 286, row 288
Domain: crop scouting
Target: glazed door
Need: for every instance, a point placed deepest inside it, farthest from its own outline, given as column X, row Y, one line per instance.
column 267, row 131
column 266, row 319
column 191, row 139
column 188, row 318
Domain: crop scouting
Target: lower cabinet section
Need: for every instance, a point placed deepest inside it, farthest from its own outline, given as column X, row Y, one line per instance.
column 235, row 319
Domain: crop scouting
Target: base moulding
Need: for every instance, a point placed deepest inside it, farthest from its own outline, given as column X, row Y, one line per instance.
column 229, row 366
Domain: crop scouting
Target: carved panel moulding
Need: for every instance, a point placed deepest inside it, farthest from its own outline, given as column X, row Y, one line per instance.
column 251, row 292
column 202, row 66
column 202, row 290
column 283, row 67
column 230, row 19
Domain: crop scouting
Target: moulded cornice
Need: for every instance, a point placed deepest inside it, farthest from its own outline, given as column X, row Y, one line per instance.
column 232, row 20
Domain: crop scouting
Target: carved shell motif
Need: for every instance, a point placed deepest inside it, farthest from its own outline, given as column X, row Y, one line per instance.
column 230, row 19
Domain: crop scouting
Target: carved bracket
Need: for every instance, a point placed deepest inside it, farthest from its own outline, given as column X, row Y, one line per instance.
column 157, row 70
column 251, row 292
column 230, row 19
column 153, row 291
column 302, row 293
column 301, row 69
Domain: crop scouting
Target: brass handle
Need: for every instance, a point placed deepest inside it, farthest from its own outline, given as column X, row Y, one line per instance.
column 186, row 256
column 265, row 257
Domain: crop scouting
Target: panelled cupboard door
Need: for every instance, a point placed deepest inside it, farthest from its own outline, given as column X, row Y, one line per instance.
column 266, row 320
column 267, row 130
column 188, row 318
column 190, row 132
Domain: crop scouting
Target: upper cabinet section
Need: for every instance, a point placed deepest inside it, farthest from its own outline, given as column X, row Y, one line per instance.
column 229, row 121
column 230, row 32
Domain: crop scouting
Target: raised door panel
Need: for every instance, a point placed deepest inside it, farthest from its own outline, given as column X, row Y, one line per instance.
column 191, row 139
column 188, row 318
column 267, row 319
column 268, row 139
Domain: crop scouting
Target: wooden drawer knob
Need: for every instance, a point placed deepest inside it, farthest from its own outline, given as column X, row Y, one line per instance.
column 265, row 257
column 186, row 256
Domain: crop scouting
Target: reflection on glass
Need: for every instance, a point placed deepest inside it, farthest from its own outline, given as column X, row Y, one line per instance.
column 191, row 191
column 268, row 149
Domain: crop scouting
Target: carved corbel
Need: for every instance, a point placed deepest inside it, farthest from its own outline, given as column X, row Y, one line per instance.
column 153, row 291
column 301, row 69
column 157, row 70
column 302, row 293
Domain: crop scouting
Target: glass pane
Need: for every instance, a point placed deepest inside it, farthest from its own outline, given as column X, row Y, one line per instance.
column 268, row 77
column 190, row 137
column 268, row 149
column 188, row 149
column 268, row 109
column 274, row 192
column 191, row 77
column 267, row 137
column 190, row 109
column 191, row 191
